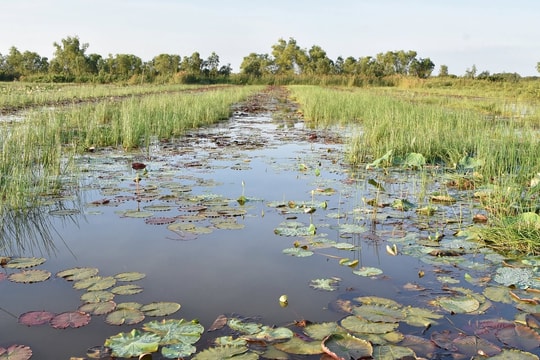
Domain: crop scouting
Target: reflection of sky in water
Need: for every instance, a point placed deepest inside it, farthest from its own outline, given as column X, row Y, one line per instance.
column 227, row 271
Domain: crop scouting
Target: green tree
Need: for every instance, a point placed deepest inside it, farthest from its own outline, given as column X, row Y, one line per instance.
column 350, row 66
column 192, row 64
column 69, row 58
column 421, row 68
column 471, row 73
column 316, row 62
column 256, row 65
column 166, row 65
column 288, row 57
column 210, row 66
column 443, row 71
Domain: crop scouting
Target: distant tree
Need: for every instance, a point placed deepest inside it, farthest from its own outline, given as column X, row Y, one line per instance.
column 538, row 66
column 316, row 62
column 370, row 67
column 443, row 71
column 421, row 68
column 120, row 67
column 94, row 63
column 484, row 75
column 166, row 64
column 225, row 70
column 70, row 58
column 288, row 57
column 257, row 65
column 192, row 64
column 471, row 73
column 18, row 64
column 210, row 66
column 350, row 66
column 338, row 65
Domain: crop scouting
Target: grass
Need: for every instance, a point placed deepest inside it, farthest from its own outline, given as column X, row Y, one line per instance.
column 504, row 150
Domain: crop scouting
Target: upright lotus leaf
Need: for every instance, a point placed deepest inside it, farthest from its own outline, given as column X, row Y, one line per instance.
column 124, row 316
column 173, row 331
column 95, row 283
column 379, row 313
column 393, row 352
column 345, row 346
column 78, row 273
column 33, row 318
column 73, row 319
column 469, row 163
column 29, row 276
column 162, row 308
column 129, row 276
column 402, row 205
column 133, row 343
column 414, row 160
column 382, row 161
column 98, row 308
column 178, row 351
column 300, row 347
column 221, row 352
column 325, row 284
column 24, row 262
column 355, row 324
column 15, row 352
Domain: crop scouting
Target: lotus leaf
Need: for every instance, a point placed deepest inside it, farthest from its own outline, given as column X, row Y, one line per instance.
column 358, row 325
column 97, row 296
column 368, row 271
column 124, row 316
column 325, row 284
column 520, row 337
column 173, row 331
column 420, row 317
column 459, row 304
column 128, row 305
column 229, row 225
column 160, row 308
column 230, row 341
column 379, row 313
column 519, row 277
column 298, row 252
column 98, row 308
column 513, row 354
column 244, row 327
column 300, row 347
column 402, row 205
column 421, row 346
column 344, row 246
column 129, row 276
column 322, row 330
column 382, row 161
column 126, row 289
column 24, row 262
column 443, row 199
column 32, row 318
column 375, row 300
column 427, row 210
column 73, row 319
column 351, row 229
column 273, row 353
column 137, row 214
column 64, row 212
column 15, row 352
column 293, row 228
column 133, row 343
column 382, row 339
column 29, row 276
column 161, row 220
column 95, row 283
column 199, row 230
column 221, row 352
column 345, row 346
column 158, row 207
column 178, row 351
column 79, row 273
column 270, row 334
column 393, row 352
column 471, row 345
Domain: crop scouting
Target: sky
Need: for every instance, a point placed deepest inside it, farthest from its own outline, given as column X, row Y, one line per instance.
column 492, row 35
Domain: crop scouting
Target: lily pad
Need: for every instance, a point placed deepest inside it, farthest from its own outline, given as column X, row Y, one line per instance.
column 393, row 352
column 368, row 271
column 97, row 296
column 133, row 343
column 173, row 331
column 325, row 284
column 15, row 352
column 322, row 330
column 124, row 316
column 129, row 276
column 379, row 313
column 358, row 325
column 459, row 304
column 130, row 289
column 221, row 352
column 98, row 308
column 300, row 347
column 33, row 318
column 73, row 319
column 345, row 346
column 78, row 273
column 178, row 351
column 24, row 262
column 95, row 283
column 29, row 276
column 298, row 252
column 160, row 308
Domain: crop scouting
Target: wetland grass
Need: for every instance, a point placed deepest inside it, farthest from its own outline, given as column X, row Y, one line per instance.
column 501, row 153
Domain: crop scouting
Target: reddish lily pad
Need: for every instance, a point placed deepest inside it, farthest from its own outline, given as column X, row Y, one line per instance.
column 73, row 319
column 33, row 318
column 15, row 352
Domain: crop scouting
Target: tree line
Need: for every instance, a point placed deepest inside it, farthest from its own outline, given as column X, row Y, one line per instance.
column 71, row 63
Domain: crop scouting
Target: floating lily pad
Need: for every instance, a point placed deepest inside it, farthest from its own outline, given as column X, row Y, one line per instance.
column 271, row 334
column 243, row 326
column 73, row 319
column 129, row 276
column 368, row 271
column 29, row 276
column 325, row 284
column 520, row 277
column 393, row 352
column 64, row 212
column 95, row 283
column 345, row 346
column 459, row 304
column 133, row 343
column 298, row 252
column 300, row 347
column 97, row 296
column 379, row 313
column 221, row 352
column 24, row 262
column 160, row 308
column 178, row 351
column 137, row 214
column 130, row 289
column 173, row 331
column 358, row 325
column 320, row 331
column 78, row 273
column 15, row 352
column 33, row 318
column 124, row 316
column 162, row 220
column 98, row 308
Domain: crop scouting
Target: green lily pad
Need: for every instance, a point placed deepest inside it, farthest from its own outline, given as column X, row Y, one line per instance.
column 124, row 317
column 24, row 262
column 271, row 334
column 178, row 351
column 378, row 313
column 137, row 214
column 129, row 276
column 325, row 284
column 221, row 352
column 78, row 273
column 298, row 252
column 345, row 346
column 29, row 276
column 133, row 343
column 459, row 304
column 244, row 327
column 393, row 352
column 15, row 352
column 130, row 289
column 358, row 325
column 344, row 246
column 368, row 271
column 160, row 308
column 173, row 331
column 95, row 283
column 514, row 354
column 300, row 347
column 97, row 296
column 322, row 330
column 98, row 308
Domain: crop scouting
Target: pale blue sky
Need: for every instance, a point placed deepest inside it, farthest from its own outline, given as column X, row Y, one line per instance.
column 494, row 35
